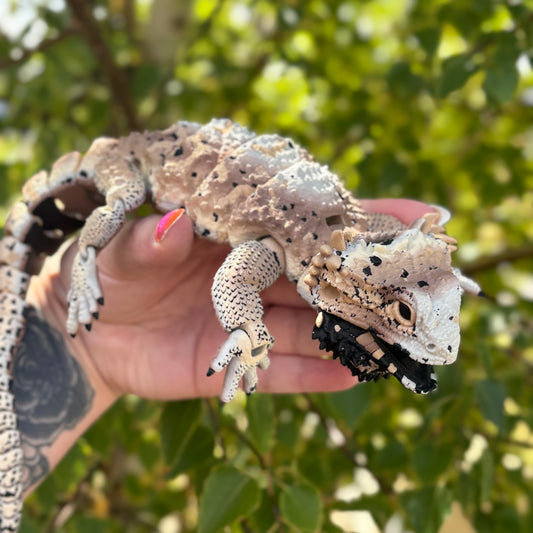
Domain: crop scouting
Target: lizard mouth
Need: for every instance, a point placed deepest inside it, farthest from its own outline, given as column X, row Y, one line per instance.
column 340, row 337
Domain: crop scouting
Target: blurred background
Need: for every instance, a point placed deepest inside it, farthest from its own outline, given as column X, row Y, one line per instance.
column 429, row 99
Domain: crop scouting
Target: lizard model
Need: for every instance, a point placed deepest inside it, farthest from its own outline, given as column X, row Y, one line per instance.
column 387, row 295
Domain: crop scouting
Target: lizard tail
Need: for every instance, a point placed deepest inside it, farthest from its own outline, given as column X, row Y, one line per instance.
column 54, row 205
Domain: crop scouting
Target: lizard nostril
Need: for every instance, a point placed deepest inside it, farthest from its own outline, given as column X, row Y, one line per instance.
column 430, row 347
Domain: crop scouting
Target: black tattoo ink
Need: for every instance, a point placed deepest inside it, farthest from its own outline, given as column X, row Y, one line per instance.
column 52, row 392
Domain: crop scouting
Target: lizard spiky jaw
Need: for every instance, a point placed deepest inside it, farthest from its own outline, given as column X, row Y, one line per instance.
column 370, row 358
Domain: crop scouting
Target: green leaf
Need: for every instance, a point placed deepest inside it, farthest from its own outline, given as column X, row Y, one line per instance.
column 261, row 421
column 490, row 395
column 178, row 423
column 301, row 507
column 429, row 39
column 502, row 519
column 350, row 405
column 193, row 451
column 506, row 48
column 328, row 527
column 88, row 524
column 228, row 495
column 29, row 526
column 402, row 81
column 392, row 456
column 264, row 517
column 501, row 82
column 456, row 70
column 431, row 459
column 427, row 508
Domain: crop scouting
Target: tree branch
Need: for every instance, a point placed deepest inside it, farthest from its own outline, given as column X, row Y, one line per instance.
column 117, row 80
column 492, row 261
column 26, row 54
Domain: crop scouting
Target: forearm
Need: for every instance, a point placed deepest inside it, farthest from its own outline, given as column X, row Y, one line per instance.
column 57, row 397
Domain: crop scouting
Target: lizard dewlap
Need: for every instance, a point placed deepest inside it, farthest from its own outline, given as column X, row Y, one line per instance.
column 387, row 295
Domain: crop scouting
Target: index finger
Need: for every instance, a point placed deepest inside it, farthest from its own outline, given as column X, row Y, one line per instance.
column 404, row 209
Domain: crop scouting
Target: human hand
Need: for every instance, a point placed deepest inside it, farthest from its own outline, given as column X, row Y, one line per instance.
column 155, row 337
column 158, row 332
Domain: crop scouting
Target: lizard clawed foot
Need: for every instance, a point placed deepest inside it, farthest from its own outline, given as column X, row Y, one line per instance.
column 85, row 293
column 240, row 359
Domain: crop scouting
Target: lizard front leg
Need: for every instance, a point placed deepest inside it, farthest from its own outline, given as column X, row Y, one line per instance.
column 85, row 295
column 249, row 268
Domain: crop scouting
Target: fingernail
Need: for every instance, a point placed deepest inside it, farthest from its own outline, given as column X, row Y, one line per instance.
column 166, row 223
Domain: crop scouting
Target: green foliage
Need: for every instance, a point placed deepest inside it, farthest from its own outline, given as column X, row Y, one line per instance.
column 301, row 507
column 261, row 422
column 431, row 100
column 186, row 444
column 228, row 495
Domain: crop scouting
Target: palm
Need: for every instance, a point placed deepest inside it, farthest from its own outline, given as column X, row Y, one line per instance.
column 157, row 329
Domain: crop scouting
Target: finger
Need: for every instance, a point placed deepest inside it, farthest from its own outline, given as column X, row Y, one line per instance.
column 405, row 210
column 292, row 329
column 292, row 374
column 134, row 250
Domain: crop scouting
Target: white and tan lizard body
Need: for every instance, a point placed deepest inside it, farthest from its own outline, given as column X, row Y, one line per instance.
column 387, row 296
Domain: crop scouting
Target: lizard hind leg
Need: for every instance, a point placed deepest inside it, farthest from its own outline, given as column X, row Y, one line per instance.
column 85, row 295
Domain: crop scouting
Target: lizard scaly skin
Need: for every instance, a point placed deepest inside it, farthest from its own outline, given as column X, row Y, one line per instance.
column 387, row 295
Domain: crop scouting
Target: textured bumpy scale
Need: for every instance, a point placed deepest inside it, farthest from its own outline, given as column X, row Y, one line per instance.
column 387, row 296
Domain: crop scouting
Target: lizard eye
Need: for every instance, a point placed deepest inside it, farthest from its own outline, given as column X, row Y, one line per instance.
column 403, row 313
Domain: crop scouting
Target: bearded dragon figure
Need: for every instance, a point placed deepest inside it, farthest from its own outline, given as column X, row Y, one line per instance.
column 386, row 295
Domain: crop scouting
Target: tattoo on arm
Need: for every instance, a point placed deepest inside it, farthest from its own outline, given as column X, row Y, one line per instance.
column 52, row 392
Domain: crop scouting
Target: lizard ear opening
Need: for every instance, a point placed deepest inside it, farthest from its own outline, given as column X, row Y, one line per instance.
column 335, row 220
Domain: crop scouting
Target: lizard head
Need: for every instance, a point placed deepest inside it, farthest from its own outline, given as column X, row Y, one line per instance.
column 388, row 307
